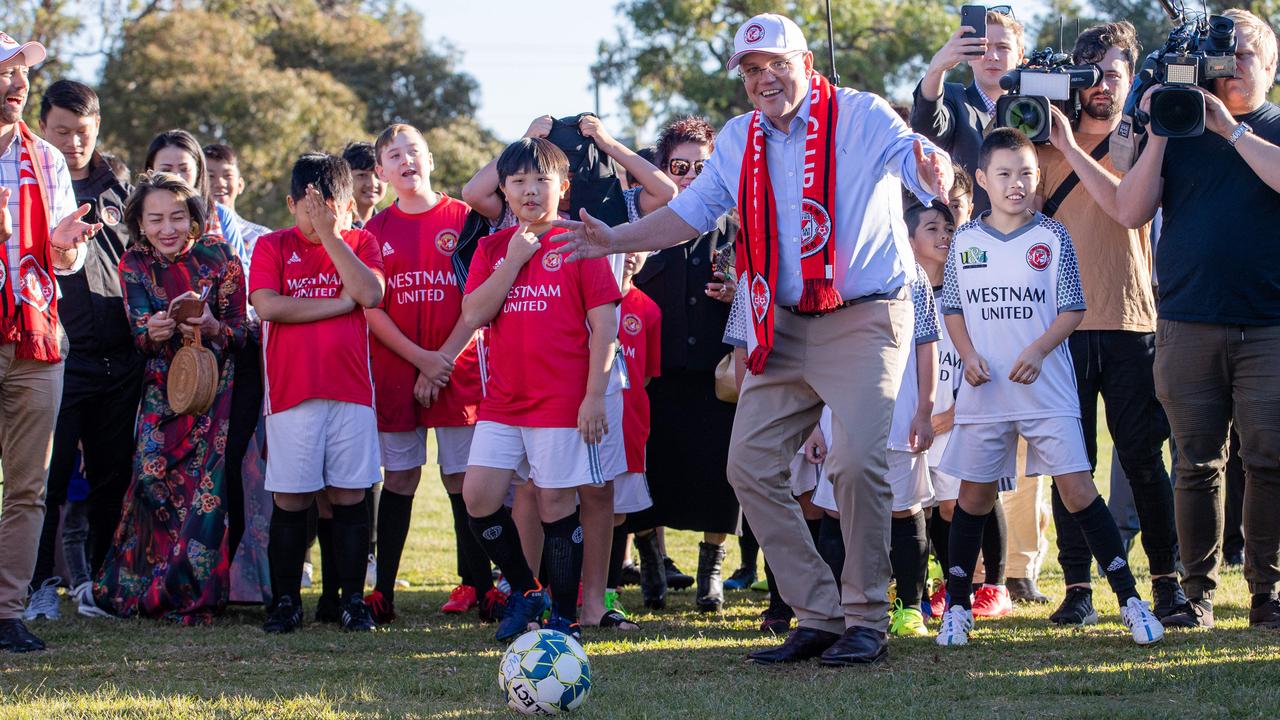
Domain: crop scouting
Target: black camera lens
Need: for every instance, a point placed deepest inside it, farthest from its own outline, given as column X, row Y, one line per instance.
column 1028, row 116
column 1177, row 112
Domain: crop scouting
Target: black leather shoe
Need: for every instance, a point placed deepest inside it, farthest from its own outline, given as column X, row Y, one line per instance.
column 16, row 638
column 858, row 646
column 1025, row 590
column 802, row 644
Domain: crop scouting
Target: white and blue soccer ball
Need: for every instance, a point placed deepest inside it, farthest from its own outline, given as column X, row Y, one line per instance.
column 544, row 672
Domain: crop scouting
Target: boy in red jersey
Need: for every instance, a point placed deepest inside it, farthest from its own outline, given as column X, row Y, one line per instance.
column 311, row 284
column 425, row 368
column 547, row 412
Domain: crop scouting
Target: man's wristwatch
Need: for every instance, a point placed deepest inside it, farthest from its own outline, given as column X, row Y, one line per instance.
column 1238, row 133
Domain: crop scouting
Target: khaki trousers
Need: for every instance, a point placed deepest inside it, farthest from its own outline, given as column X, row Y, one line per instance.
column 30, row 394
column 852, row 361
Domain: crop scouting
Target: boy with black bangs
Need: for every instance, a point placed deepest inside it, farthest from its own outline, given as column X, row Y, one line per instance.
column 546, row 413
column 311, row 284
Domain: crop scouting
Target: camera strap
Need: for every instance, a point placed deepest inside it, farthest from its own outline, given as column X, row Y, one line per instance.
column 1055, row 201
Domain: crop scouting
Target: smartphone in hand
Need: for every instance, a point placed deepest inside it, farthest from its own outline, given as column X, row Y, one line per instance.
column 974, row 16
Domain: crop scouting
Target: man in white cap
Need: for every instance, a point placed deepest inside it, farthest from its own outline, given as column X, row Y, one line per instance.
column 43, row 236
column 816, row 174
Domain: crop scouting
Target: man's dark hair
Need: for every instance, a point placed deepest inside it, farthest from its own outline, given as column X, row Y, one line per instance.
column 329, row 173
column 186, row 142
column 537, row 155
column 1094, row 42
column 684, row 130
column 913, row 210
column 359, row 155
column 650, row 154
column 1003, row 139
column 74, row 97
column 221, row 152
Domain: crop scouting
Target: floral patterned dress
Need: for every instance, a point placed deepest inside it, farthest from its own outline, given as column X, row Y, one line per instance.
column 168, row 559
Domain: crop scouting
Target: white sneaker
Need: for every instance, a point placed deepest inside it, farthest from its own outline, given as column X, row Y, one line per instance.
column 371, row 572
column 307, row 570
column 956, row 624
column 401, row 583
column 1137, row 616
column 85, row 605
column 43, row 603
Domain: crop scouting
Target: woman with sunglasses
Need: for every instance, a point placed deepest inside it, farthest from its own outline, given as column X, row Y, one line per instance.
column 689, row 441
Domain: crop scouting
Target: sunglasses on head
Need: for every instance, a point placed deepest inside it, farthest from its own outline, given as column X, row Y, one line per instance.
column 680, row 168
column 1006, row 10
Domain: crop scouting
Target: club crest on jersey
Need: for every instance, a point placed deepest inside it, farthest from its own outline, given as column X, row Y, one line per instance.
column 111, row 215
column 4, row 275
column 632, row 324
column 552, row 261
column 447, row 241
column 754, row 34
column 760, row 297
column 36, row 285
column 815, row 227
column 1038, row 256
column 974, row 257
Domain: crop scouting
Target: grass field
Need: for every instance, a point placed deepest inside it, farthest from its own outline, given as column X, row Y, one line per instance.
column 681, row 663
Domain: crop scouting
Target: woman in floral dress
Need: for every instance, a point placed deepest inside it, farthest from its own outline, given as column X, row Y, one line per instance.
column 169, row 555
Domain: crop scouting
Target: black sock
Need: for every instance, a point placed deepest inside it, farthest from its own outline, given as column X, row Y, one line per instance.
column 562, row 559
column 616, row 553
column 908, row 553
column 831, row 545
column 329, row 573
column 498, row 536
column 285, row 550
column 372, row 502
column 394, row 511
column 351, row 546
column 1107, row 548
column 775, row 597
column 473, row 564
column 940, row 537
column 994, row 545
column 748, row 547
column 966, row 541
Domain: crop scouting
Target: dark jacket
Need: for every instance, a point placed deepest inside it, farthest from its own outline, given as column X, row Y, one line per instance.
column 692, row 323
column 92, row 305
column 957, row 123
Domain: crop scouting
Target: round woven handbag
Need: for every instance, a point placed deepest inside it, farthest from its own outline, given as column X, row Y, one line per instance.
column 193, row 378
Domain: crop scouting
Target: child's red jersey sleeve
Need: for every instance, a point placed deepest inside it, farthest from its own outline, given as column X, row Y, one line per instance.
column 369, row 252
column 599, row 287
column 264, row 269
column 481, row 266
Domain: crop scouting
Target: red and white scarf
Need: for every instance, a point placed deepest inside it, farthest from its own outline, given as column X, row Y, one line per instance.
column 31, row 323
column 758, row 250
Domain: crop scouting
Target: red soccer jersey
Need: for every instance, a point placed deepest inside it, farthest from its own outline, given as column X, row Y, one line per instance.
column 424, row 301
column 640, row 332
column 539, row 343
column 325, row 359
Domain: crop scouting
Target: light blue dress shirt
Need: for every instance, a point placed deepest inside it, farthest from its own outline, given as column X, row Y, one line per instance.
column 875, row 157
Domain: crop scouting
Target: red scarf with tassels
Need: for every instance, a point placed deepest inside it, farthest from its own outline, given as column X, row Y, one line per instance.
column 32, row 322
column 758, row 237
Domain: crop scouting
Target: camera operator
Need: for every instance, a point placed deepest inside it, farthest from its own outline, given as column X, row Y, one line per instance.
column 956, row 117
column 1218, row 335
column 1113, row 351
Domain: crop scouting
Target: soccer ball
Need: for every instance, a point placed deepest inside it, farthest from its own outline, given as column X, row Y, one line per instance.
column 544, row 672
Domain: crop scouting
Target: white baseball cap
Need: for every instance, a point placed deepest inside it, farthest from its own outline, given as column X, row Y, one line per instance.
column 33, row 53
column 767, row 33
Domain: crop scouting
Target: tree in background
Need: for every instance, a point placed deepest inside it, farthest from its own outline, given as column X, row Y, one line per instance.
column 52, row 23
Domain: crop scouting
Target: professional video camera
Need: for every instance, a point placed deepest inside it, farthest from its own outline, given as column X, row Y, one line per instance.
column 1199, row 50
column 1044, row 77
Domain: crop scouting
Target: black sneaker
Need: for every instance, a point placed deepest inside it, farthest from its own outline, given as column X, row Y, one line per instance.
column 356, row 616
column 630, row 575
column 1195, row 613
column 16, row 638
column 676, row 580
column 1167, row 597
column 776, row 619
column 1076, row 608
column 328, row 610
column 285, row 617
column 1267, row 616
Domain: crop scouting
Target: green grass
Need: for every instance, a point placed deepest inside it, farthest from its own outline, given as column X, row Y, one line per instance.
column 683, row 664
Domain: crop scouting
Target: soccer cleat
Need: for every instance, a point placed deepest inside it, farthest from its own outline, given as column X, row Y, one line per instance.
column 523, row 610
column 957, row 623
column 308, row 575
column 285, row 617
column 676, row 580
column 1076, row 608
column 741, row 579
column 86, row 606
column 356, row 616
column 328, row 610
column 776, row 619
column 1167, row 596
column 992, row 601
column 612, row 601
column 906, row 621
column 559, row 623
column 1142, row 623
column 630, row 575
column 761, row 585
column 381, row 608
column 1267, row 616
column 462, row 599
column 1195, row 613
column 493, row 605
column 938, row 601
column 43, row 603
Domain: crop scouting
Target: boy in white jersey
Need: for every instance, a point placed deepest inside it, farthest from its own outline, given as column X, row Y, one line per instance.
column 1011, row 296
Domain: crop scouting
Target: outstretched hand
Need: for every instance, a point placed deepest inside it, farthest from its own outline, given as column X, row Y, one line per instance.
column 935, row 172
column 590, row 238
